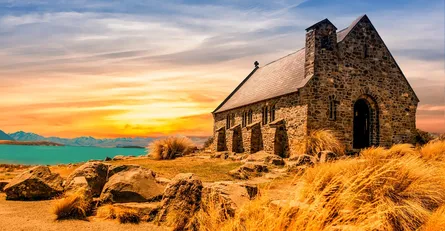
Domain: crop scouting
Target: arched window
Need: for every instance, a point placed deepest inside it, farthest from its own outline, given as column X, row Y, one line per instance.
column 332, row 108
column 265, row 112
column 272, row 113
column 228, row 120
column 249, row 116
column 244, row 120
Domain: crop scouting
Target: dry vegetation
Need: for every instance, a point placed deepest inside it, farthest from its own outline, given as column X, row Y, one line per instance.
column 123, row 215
column 171, row 147
column 317, row 141
column 72, row 206
column 400, row 188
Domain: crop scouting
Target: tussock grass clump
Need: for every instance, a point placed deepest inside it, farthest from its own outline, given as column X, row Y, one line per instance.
column 73, row 206
column 317, row 141
column 434, row 150
column 171, row 147
column 123, row 215
column 383, row 189
column 436, row 221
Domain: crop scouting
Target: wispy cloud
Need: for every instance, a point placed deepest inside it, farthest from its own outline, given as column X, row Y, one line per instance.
column 157, row 67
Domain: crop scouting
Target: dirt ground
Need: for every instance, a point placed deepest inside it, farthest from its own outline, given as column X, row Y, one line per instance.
column 36, row 215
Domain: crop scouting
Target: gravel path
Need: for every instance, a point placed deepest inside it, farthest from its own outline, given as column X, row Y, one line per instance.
column 36, row 215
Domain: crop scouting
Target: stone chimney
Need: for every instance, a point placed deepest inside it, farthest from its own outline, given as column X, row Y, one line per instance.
column 321, row 48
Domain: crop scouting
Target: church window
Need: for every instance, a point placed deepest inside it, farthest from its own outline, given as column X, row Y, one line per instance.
column 228, row 120
column 265, row 112
column 244, row 121
column 272, row 113
column 365, row 51
column 249, row 117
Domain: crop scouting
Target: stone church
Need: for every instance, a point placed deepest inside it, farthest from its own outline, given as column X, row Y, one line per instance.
column 346, row 81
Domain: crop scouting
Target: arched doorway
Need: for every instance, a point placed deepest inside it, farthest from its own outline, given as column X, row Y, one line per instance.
column 362, row 124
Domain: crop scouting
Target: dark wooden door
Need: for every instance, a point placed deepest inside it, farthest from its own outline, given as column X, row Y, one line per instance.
column 361, row 124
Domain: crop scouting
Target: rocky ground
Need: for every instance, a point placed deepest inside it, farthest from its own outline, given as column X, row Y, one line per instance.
column 156, row 189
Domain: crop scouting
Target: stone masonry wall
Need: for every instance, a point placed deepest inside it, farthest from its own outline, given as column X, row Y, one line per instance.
column 348, row 73
column 290, row 107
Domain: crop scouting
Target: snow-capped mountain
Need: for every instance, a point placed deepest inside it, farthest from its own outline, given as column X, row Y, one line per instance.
column 4, row 136
column 93, row 142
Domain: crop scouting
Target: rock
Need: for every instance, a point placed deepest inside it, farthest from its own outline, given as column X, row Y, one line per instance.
column 125, row 167
column 238, row 157
column 327, row 156
column 34, row 184
column 107, row 158
column 250, row 169
column 147, row 211
column 303, row 159
column 134, row 185
column 181, row 199
column 264, row 157
column 3, row 184
column 228, row 196
column 162, row 181
column 80, row 185
column 294, row 167
column 94, row 172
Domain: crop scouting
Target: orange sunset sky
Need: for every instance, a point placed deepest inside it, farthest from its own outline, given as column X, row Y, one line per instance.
column 103, row 69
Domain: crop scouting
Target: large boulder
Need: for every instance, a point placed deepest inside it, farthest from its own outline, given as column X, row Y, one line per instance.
column 34, row 184
column 3, row 183
column 147, row 211
column 134, row 185
column 227, row 196
column 125, row 167
column 248, row 170
column 77, row 184
column 94, row 172
column 181, row 199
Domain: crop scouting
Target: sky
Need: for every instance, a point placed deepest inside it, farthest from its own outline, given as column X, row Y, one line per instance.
column 107, row 68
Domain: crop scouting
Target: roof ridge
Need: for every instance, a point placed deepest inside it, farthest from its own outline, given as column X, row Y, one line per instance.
column 284, row 56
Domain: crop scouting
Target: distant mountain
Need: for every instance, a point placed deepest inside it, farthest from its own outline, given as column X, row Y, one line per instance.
column 89, row 141
column 4, row 136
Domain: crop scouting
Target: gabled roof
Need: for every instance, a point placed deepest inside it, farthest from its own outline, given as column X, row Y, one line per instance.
column 280, row 77
column 342, row 34
column 277, row 78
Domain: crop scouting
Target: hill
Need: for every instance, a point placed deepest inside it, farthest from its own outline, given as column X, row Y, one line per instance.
column 88, row 141
column 4, row 136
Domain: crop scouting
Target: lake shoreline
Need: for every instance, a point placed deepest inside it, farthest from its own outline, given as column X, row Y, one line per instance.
column 29, row 143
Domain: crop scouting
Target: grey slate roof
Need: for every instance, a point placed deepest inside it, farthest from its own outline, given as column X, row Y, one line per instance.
column 280, row 77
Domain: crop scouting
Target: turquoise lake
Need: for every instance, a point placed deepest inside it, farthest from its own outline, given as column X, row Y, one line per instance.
column 17, row 154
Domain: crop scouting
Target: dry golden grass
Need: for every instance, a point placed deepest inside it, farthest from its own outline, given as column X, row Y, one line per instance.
column 317, row 141
column 384, row 189
column 72, row 206
column 208, row 170
column 434, row 150
column 123, row 215
column 171, row 147
column 436, row 222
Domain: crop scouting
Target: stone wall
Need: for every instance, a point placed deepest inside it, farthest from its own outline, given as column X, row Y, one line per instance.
column 349, row 73
column 289, row 109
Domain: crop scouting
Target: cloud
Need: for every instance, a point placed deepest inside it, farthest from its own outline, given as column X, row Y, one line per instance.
column 160, row 67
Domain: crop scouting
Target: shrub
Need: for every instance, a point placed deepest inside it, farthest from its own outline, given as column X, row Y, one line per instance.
column 317, row 141
column 73, row 206
column 123, row 215
column 423, row 137
column 434, row 150
column 171, row 147
column 384, row 189
column 208, row 142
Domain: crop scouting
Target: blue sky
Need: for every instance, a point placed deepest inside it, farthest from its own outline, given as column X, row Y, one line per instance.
column 116, row 61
